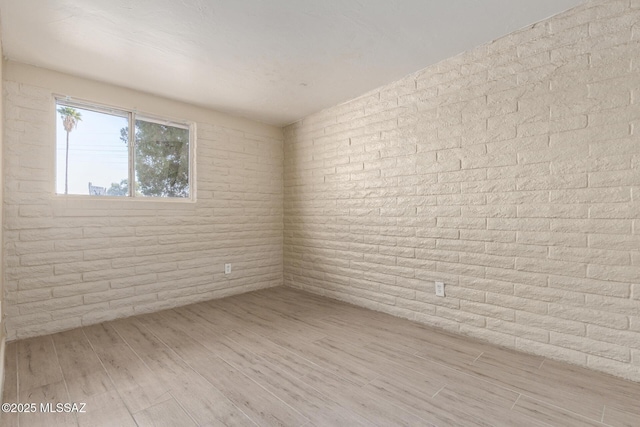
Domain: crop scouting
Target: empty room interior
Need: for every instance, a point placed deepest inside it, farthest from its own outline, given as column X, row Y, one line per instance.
column 332, row 213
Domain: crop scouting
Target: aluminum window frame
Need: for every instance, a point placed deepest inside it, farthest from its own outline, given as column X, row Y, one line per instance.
column 132, row 115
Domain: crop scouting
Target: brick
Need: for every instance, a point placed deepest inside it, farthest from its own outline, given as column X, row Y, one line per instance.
column 80, row 310
column 590, row 164
column 49, row 280
column 489, row 211
column 28, row 319
column 596, row 317
column 50, row 258
column 631, row 210
column 604, row 226
column 460, row 269
column 555, row 210
column 590, row 346
column 590, row 286
column 549, row 323
column 437, row 255
column 493, row 186
column 487, row 236
column 508, row 275
column 517, row 224
column 548, row 294
column 81, row 288
column 517, row 330
column 516, row 303
column 460, row 245
column 518, row 197
column 461, row 316
column 30, row 296
column 552, row 182
column 595, row 195
column 551, row 267
column 92, row 318
column 613, row 305
column 460, row 223
column 490, row 161
column 50, row 305
column 487, row 260
column 614, row 178
column 511, row 249
column 589, row 255
column 611, row 24
column 47, row 328
column 627, row 274
column 619, row 146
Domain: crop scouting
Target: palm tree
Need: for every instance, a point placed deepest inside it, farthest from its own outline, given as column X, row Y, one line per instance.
column 70, row 118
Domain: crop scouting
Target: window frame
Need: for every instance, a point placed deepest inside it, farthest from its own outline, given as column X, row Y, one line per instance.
column 131, row 114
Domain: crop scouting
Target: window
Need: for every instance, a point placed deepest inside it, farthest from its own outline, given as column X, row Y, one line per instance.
column 96, row 155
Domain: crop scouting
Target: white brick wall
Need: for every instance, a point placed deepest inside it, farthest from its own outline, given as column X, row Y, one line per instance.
column 510, row 172
column 77, row 261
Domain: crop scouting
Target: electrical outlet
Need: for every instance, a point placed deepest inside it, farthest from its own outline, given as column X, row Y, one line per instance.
column 227, row 268
column 439, row 289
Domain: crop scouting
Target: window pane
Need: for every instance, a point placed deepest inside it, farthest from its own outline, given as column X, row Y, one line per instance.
column 162, row 160
column 97, row 153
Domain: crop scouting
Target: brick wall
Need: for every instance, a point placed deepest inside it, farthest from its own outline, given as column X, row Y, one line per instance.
column 510, row 172
column 73, row 261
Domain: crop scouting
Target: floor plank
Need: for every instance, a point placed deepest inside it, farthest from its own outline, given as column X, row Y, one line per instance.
column 318, row 408
column 259, row 404
column 37, row 363
column 51, row 394
column 277, row 356
column 618, row 393
column 10, row 419
column 138, row 385
column 164, row 414
column 484, row 400
column 551, row 414
column 283, row 357
column 616, row 417
column 204, row 402
column 527, row 379
column 347, row 367
column 362, row 401
column 82, row 370
column 106, row 409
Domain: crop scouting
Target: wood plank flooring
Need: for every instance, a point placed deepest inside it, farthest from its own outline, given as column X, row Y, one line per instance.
column 283, row 357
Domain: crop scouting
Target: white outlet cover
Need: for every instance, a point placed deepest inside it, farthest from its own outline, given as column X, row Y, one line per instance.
column 227, row 268
column 439, row 289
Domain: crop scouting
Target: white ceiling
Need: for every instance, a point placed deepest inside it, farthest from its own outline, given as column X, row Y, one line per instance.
column 274, row 61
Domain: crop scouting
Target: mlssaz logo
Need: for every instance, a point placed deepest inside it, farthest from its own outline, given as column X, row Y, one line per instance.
column 63, row 407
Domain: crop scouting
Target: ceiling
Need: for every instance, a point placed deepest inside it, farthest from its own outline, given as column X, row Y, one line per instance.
column 274, row 61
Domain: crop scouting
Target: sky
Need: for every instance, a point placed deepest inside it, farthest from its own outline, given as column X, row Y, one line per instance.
column 96, row 153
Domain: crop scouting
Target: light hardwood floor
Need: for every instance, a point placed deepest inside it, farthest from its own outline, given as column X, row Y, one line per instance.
column 284, row 357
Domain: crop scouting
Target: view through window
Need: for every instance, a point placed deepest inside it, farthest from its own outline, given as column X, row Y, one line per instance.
column 97, row 156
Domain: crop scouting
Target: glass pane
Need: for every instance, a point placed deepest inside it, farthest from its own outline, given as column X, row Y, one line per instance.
column 97, row 153
column 162, row 160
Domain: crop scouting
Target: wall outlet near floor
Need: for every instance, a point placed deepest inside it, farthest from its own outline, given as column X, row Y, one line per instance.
column 439, row 289
column 227, row 268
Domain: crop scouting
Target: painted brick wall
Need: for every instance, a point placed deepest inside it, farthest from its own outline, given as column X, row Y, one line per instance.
column 510, row 172
column 76, row 261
